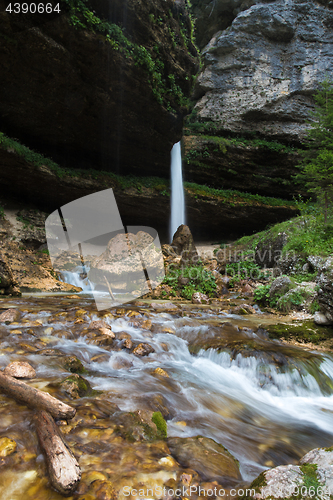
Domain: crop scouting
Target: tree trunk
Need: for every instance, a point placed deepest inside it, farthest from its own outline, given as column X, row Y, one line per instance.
column 64, row 470
column 34, row 398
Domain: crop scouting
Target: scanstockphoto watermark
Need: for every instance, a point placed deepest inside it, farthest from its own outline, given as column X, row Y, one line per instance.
column 186, row 492
column 293, row 491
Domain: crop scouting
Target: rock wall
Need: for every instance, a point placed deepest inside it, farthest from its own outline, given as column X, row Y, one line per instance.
column 87, row 100
column 261, row 71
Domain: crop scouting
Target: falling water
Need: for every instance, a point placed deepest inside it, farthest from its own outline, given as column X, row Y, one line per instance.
column 177, row 191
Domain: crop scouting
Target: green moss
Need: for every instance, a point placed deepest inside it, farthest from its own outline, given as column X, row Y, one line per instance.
column 160, row 423
column 306, row 331
column 236, row 197
column 164, row 88
column 256, row 485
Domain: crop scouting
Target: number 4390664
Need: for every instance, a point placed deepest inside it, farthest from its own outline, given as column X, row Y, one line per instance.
column 32, row 8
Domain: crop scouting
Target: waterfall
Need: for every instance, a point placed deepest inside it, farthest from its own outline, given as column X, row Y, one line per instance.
column 177, row 191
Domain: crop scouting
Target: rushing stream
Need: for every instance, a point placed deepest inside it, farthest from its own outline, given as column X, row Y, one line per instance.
column 268, row 404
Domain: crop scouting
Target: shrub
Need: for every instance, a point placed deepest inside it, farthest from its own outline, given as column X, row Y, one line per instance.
column 199, row 280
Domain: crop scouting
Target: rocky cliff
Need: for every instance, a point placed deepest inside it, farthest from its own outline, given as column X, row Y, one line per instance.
column 261, row 70
column 100, row 84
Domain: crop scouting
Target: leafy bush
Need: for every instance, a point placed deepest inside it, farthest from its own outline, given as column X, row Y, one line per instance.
column 199, row 280
column 243, row 270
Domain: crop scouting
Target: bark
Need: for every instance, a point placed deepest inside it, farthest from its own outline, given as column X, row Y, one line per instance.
column 64, row 470
column 34, row 398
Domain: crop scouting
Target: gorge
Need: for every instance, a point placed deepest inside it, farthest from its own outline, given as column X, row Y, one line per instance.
column 211, row 380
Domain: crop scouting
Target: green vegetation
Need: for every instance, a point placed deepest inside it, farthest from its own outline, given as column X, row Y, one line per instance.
column 237, row 197
column 164, row 87
column 317, row 165
column 28, row 154
column 2, row 212
column 306, row 331
column 256, row 142
column 285, row 301
column 310, row 478
column 197, row 278
column 160, row 423
column 307, row 234
column 243, row 270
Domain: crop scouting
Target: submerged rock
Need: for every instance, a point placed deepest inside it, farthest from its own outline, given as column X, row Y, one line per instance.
column 76, row 386
column 7, row 446
column 74, row 365
column 210, row 459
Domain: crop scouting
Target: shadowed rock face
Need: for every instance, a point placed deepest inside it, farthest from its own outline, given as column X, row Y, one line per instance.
column 69, row 94
column 260, row 73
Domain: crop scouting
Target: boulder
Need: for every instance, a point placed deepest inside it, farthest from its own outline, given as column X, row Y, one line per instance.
column 280, row 286
column 123, row 263
column 314, row 474
column 9, row 316
column 183, row 245
column 268, row 251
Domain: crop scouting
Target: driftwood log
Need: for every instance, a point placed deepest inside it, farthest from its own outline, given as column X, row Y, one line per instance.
column 64, row 470
column 34, row 398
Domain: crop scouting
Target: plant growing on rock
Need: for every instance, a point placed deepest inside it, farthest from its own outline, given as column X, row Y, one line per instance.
column 317, row 165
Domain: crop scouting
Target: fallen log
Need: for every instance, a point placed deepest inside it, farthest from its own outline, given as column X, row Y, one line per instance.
column 64, row 470
column 34, row 398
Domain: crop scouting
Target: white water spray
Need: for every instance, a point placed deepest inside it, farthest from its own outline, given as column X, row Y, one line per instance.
column 177, row 191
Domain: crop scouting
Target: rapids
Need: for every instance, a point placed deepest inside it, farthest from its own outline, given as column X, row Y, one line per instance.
column 265, row 410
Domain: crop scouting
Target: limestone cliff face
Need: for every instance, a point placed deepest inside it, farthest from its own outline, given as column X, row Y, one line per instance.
column 89, row 100
column 261, row 71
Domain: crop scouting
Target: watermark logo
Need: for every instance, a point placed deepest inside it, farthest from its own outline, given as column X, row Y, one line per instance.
column 89, row 245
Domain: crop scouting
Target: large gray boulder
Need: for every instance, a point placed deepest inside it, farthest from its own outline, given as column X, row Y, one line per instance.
column 260, row 73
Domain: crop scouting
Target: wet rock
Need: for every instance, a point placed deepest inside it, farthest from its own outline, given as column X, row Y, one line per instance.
column 20, row 369
column 200, row 298
column 7, row 446
column 165, row 307
column 183, row 245
column 158, row 402
column 74, row 365
column 210, row 459
column 76, row 386
column 9, row 316
column 132, row 428
column 143, row 349
column 161, row 372
column 244, row 309
column 280, row 286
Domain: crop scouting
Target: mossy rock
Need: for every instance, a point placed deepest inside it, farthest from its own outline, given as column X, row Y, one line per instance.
column 307, row 331
column 160, row 423
column 74, row 365
column 77, row 387
column 133, row 429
